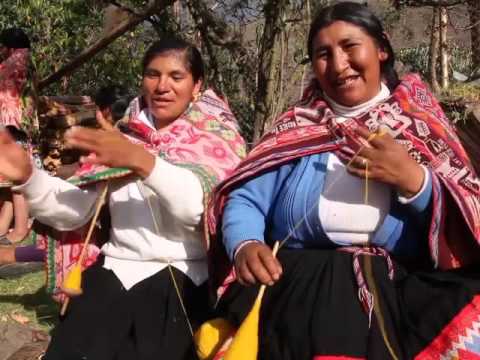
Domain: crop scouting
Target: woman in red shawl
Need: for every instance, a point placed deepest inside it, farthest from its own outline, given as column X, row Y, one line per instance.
column 376, row 207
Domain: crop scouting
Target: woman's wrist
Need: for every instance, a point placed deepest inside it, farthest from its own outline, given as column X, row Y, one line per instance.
column 412, row 182
column 243, row 244
column 142, row 162
column 27, row 174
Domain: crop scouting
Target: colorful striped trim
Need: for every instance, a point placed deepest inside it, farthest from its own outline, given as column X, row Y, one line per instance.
column 460, row 337
column 88, row 179
column 51, row 265
column 336, row 357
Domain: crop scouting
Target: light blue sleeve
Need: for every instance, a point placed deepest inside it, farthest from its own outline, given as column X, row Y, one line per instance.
column 420, row 201
column 248, row 208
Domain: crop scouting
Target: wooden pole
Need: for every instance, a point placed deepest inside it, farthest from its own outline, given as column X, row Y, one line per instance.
column 434, row 47
column 444, row 48
column 93, row 222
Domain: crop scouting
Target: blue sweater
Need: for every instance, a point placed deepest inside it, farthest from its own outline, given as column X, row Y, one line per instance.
column 268, row 207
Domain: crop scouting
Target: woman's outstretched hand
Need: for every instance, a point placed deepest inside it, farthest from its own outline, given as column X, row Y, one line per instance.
column 15, row 164
column 255, row 262
column 388, row 162
column 107, row 146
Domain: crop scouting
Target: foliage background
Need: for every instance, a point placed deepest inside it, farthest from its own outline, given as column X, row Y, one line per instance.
column 231, row 46
column 59, row 30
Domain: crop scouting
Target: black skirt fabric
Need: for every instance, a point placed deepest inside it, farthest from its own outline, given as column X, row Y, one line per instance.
column 314, row 311
column 145, row 323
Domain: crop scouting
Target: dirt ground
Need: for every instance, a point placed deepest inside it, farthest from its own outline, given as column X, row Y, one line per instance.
column 27, row 312
column 21, row 342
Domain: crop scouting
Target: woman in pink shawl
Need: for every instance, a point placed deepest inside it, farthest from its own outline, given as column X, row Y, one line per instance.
column 14, row 74
column 147, row 291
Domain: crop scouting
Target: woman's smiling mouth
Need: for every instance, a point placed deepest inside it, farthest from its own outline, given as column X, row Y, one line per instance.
column 346, row 82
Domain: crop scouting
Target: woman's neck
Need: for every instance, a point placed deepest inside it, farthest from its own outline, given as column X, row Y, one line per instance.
column 158, row 124
column 352, row 111
column 154, row 122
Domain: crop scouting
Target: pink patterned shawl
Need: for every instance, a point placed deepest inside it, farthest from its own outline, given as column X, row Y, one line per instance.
column 13, row 77
column 205, row 140
column 414, row 118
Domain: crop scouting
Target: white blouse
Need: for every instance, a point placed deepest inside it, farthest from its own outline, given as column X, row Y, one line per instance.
column 135, row 251
column 344, row 216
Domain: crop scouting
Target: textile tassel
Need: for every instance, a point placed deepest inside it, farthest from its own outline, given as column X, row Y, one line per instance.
column 367, row 300
column 244, row 345
column 73, row 281
column 366, row 184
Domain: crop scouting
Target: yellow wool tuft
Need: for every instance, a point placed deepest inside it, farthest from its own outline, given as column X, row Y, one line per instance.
column 210, row 337
column 73, row 283
column 244, row 345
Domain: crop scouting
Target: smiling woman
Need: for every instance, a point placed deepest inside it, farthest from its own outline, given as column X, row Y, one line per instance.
column 171, row 79
column 346, row 62
column 372, row 214
column 147, row 292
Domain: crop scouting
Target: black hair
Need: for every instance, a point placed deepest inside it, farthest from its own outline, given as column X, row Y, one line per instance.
column 193, row 59
column 115, row 97
column 14, row 38
column 361, row 16
column 17, row 134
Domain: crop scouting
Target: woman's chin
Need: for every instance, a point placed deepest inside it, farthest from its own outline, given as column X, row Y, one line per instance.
column 162, row 117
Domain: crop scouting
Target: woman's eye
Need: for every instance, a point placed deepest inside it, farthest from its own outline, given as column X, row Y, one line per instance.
column 322, row 54
column 151, row 75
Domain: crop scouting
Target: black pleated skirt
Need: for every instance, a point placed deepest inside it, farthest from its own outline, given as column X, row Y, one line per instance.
column 314, row 311
column 145, row 323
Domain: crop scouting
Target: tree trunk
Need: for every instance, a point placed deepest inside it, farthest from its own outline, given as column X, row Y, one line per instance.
column 274, row 11
column 279, row 76
column 474, row 10
column 215, row 32
column 444, row 48
column 101, row 44
column 434, row 47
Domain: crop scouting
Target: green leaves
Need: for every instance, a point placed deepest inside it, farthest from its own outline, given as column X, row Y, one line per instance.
column 60, row 30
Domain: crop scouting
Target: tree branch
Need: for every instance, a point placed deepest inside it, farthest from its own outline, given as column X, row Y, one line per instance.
column 101, row 44
column 123, row 7
column 212, row 27
column 419, row 3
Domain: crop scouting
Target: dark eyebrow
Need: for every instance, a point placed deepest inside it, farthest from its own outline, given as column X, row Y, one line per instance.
column 177, row 72
column 349, row 39
column 152, row 71
column 321, row 48
column 343, row 41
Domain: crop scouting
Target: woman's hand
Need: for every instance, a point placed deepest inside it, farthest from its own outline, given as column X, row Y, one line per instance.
column 388, row 162
column 255, row 262
column 15, row 164
column 109, row 147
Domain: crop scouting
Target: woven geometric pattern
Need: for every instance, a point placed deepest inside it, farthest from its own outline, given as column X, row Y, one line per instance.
column 460, row 339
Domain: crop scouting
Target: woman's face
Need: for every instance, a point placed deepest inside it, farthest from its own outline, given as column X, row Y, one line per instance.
column 346, row 62
column 168, row 87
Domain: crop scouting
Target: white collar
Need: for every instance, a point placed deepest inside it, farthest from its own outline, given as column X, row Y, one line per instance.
column 147, row 118
column 348, row 112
